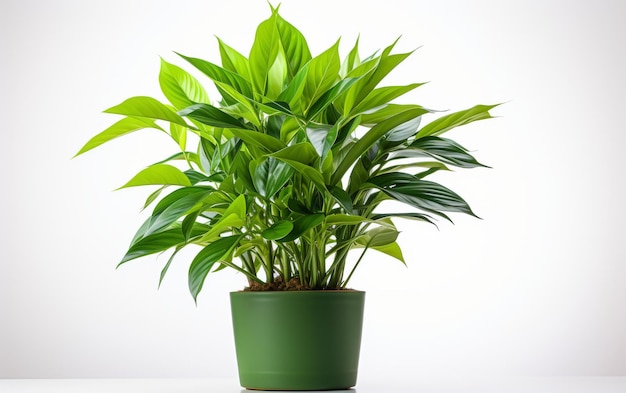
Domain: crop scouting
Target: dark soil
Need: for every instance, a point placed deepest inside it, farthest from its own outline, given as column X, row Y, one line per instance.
column 278, row 285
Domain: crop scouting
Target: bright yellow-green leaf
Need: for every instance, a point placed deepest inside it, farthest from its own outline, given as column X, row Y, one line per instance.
column 159, row 174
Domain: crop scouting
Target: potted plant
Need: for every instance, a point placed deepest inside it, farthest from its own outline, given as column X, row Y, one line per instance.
column 283, row 179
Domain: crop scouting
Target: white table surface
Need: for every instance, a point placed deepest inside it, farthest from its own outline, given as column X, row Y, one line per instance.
column 436, row 385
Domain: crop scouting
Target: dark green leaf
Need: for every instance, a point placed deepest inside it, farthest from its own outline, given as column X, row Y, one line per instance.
column 342, row 198
column 303, row 224
column 446, row 151
column 206, row 258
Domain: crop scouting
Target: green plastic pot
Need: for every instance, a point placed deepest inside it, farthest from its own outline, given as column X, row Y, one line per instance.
column 297, row 340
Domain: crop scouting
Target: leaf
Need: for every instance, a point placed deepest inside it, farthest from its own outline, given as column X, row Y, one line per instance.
column 258, row 139
column 172, row 207
column 446, row 151
column 278, row 230
column 154, row 243
column 210, row 115
column 351, row 61
column 122, row 127
column 329, row 97
column 233, row 61
column 158, row 174
column 179, row 134
column 153, row 196
column 381, row 236
column 322, row 74
column 294, row 45
column 404, row 131
column 220, row 74
column 167, row 265
column 292, row 94
column 422, row 194
column 342, row 198
column 369, row 139
column 301, row 225
column 206, row 258
column 263, row 53
column 453, row 120
column 310, row 173
column 147, row 107
column 382, row 96
column 301, row 152
column 377, row 115
column 226, row 223
column 391, row 249
column 318, row 135
column 180, row 88
column 270, row 175
column 158, row 242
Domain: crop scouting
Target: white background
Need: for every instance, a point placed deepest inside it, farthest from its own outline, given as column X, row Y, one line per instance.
column 534, row 288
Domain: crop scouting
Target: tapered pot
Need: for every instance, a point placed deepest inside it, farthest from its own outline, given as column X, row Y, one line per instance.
column 297, row 340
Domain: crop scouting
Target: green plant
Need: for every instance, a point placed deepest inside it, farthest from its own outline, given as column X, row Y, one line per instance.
column 290, row 167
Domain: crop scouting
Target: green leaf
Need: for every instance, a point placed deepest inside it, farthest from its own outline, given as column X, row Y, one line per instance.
column 270, row 175
column 301, row 225
column 153, row 196
column 310, row 173
column 404, row 131
column 180, row 88
column 370, row 138
column 381, row 236
column 210, row 115
column 158, row 242
column 167, row 265
column 122, row 127
column 391, row 249
column 220, row 74
column 206, row 258
column 225, row 224
column 329, row 97
column 322, row 73
column 453, row 120
column 301, row 152
column 263, row 53
column 233, row 61
column 377, row 115
column 292, row 94
column 342, row 197
column 258, row 139
column 278, row 230
column 382, row 96
column 294, row 45
column 351, row 61
column 318, row 135
column 159, row 174
column 422, row 194
column 154, row 243
column 446, row 151
column 179, row 134
column 172, row 207
column 147, row 107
